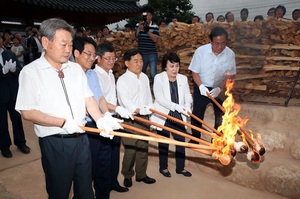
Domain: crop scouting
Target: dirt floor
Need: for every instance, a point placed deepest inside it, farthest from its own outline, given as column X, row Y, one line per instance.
column 21, row 177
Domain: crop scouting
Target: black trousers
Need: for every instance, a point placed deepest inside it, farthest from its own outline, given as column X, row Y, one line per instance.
column 115, row 161
column 18, row 132
column 164, row 148
column 199, row 106
column 101, row 149
column 67, row 160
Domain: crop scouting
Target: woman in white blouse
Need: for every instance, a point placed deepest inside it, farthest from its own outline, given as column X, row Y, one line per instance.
column 172, row 97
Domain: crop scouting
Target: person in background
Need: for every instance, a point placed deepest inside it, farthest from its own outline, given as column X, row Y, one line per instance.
column 258, row 18
column 55, row 96
column 18, row 49
column 229, row 16
column 271, row 13
column 133, row 91
column 80, row 32
column 98, row 37
column 105, row 32
column 163, row 24
column 105, row 63
column 280, row 11
column 128, row 28
column 34, row 46
column 173, row 97
column 221, row 18
column 296, row 14
column 84, row 51
column 174, row 20
column 147, row 34
column 211, row 65
column 7, row 43
column 9, row 72
column 244, row 14
column 195, row 19
column 209, row 17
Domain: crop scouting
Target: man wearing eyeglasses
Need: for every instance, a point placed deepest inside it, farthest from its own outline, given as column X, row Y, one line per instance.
column 105, row 62
column 84, row 49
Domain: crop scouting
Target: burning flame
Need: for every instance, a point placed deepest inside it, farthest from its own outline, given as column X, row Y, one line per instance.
column 231, row 123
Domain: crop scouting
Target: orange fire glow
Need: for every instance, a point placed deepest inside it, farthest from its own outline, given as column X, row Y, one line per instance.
column 231, row 123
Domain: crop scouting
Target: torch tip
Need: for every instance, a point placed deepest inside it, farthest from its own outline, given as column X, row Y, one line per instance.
column 225, row 159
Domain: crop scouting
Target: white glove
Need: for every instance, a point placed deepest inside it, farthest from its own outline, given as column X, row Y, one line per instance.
column 181, row 109
column 12, row 66
column 102, row 125
column 124, row 113
column 188, row 109
column 215, row 92
column 112, row 122
column 6, row 67
column 145, row 110
column 203, row 90
column 71, row 127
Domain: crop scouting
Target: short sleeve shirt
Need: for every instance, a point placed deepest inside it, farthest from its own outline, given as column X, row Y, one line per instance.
column 212, row 68
column 41, row 89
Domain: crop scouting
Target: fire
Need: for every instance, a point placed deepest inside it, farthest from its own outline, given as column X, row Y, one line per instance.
column 231, row 124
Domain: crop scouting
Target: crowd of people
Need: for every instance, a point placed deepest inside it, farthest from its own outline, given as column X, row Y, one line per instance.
column 61, row 79
column 274, row 12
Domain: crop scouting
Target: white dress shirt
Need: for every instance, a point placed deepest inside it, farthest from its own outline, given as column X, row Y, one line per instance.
column 133, row 92
column 41, row 89
column 212, row 68
column 108, row 84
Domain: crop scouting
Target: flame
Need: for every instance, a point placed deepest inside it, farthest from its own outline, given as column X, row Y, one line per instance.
column 231, row 123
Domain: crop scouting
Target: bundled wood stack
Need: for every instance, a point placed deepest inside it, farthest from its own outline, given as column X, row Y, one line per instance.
column 267, row 53
column 121, row 41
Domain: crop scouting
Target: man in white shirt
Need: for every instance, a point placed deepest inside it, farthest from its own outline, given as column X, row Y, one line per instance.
column 55, row 96
column 134, row 94
column 105, row 62
column 211, row 65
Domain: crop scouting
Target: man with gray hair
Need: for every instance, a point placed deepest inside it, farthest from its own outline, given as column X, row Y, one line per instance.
column 54, row 95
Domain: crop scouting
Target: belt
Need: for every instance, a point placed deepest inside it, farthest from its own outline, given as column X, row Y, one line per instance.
column 73, row 135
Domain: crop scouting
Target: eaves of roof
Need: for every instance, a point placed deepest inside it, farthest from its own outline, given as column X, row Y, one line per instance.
column 88, row 6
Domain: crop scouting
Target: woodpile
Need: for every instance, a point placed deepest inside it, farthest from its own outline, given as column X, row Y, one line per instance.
column 267, row 53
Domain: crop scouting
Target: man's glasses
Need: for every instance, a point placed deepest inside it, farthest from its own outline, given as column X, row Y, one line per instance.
column 94, row 56
column 113, row 59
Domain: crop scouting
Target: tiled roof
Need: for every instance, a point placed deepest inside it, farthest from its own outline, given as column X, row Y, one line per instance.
column 89, row 6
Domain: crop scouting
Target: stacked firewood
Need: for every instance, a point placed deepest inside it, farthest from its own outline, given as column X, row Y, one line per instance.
column 267, row 53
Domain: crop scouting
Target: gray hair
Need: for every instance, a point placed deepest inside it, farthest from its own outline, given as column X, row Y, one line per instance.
column 49, row 27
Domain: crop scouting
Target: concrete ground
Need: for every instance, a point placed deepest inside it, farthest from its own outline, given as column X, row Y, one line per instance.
column 22, row 177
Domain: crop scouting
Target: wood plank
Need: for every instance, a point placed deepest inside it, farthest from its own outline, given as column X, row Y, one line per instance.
column 285, row 46
column 272, row 67
column 283, row 58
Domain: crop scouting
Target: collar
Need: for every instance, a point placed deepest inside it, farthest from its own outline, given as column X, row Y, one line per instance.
column 102, row 71
column 133, row 74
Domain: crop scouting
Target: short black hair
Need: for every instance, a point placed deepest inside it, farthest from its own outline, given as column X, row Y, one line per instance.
column 79, row 42
column 129, row 53
column 209, row 13
column 270, row 10
column 296, row 10
column 258, row 17
column 246, row 10
column 196, row 17
column 220, row 17
column 104, row 47
column 227, row 14
column 281, row 7
column 169, row 56
column 217, row 31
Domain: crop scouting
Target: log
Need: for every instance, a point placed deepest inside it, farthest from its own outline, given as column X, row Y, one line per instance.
column 272, row 67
